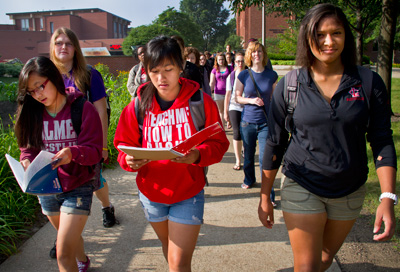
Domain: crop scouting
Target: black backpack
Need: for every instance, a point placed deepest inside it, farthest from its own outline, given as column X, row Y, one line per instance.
column 196, row 106
column 291, row 85
column 76, row 118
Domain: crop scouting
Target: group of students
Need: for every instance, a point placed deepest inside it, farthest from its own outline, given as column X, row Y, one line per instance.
column 324, row 161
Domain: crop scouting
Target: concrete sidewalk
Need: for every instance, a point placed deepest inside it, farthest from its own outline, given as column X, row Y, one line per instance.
column 231, row 239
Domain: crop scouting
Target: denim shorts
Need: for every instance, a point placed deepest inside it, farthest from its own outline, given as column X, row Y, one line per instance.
column 297, row 199
column 77, row 201
column 189, row 211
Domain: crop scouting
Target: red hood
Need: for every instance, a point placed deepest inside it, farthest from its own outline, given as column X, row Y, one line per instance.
column 188, row 88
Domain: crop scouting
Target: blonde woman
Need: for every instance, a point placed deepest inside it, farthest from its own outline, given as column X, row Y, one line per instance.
column 257, row 84
column 66, row 54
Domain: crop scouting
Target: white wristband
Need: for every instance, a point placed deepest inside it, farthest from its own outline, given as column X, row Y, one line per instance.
column 389, row 195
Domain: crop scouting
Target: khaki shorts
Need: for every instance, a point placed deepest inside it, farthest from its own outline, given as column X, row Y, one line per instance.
column 296, row 199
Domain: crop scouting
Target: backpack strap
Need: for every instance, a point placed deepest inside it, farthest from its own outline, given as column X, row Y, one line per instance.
column 290, row 96
column 76, row 113
column 138, row 116
column 88, row 89
column 196, row 106
column 232, row 78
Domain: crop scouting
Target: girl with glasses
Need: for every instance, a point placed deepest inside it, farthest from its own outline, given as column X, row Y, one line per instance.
column 43, row 122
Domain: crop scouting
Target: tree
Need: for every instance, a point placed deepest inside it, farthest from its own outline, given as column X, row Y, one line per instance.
column 181, row 22
column 142, row 34
column 235, row 42
column 360, row 13
column 209, row 15
column 390, row 10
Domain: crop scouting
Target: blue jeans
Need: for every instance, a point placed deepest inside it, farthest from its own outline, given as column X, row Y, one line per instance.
column 252, row 132
column 188, row 212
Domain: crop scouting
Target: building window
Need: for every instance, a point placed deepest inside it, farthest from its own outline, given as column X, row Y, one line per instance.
column 25, row 24
column 120, row 31
column 115, row 30
column 51, row 27
column 41, row 23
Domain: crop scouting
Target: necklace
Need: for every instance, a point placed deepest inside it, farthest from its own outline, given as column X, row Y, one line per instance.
column 57, row 110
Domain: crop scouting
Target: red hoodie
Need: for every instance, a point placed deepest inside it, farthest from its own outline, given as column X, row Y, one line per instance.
column 165, row 181
column 86, row 148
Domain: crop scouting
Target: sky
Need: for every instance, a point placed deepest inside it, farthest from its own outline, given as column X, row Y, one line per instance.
column 139, row 12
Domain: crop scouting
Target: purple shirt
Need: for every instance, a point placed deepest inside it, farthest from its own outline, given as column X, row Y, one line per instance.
column 220, row 80
column 97, row 89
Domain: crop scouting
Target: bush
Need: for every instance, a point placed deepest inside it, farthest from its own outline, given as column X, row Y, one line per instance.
column 8, row 92
column 119, row 98
column 9, row 69
column 366, row 60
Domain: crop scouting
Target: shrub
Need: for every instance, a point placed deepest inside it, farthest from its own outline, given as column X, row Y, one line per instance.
column 366, row 60
column 9, row 69
column 8, row 91
column 119, row 98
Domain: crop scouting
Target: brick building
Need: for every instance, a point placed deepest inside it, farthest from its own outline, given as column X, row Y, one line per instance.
column 249, row 24
column 30, row 34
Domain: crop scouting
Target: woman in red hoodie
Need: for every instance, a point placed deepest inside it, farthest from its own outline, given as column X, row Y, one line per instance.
column 171, row 191
column 44, row 122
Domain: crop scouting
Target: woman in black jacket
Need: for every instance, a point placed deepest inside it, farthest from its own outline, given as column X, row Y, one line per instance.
column 325, row 162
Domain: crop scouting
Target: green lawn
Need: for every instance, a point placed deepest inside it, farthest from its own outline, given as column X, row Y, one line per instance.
column 373, row 192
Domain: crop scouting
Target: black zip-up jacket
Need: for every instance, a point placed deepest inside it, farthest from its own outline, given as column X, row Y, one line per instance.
column 327, row 151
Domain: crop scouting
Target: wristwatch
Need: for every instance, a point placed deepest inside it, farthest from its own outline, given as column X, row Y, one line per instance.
column 389, row 195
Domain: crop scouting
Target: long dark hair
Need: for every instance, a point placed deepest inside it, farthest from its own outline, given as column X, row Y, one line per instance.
column 158, row 50
column 308, row 31
column 29, row 120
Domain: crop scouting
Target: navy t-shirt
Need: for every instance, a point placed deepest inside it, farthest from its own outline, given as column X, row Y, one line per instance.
column 264, row 80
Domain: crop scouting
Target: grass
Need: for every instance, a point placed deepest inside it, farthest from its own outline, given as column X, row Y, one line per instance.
column 373, row 187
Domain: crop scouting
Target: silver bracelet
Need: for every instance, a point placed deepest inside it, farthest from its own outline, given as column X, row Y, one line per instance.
column 389, row 195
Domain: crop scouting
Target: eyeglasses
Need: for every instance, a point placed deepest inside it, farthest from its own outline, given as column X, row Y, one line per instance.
column 38, row 89
column 60, row 44
column 239, row 61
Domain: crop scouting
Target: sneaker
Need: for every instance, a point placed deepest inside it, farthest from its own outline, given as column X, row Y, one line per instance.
column 53, row 251
column 108, row 217
column 245, row 186
column 83, row 266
